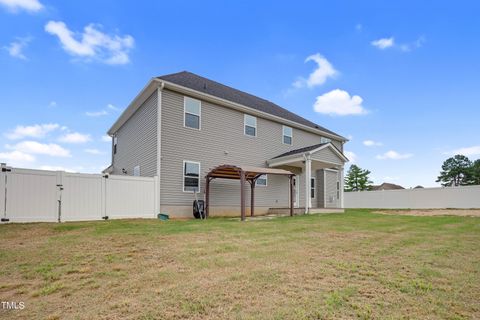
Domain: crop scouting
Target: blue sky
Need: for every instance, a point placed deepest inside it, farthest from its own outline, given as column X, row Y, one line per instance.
column 400, row 79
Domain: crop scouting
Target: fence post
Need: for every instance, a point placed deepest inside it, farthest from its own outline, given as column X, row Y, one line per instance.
column 104, row 197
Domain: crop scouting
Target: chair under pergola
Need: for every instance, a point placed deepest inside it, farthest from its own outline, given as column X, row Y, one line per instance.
column 244, row 173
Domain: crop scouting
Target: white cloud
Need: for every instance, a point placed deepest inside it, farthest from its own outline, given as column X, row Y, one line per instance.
column 106, row 138
column 57, row 168
column 15, row 48
column 394, row 155
column 17, row 5
column 467, row 151
column 359, row 27
column 407, row 47
column 383, row 43
column 112, row 107
column 75, row 137
column 371, row 143
column 92, row 44
column 351, row 156
column 33, row 147
column 94, row 151
column 340, row 103
column 35, row 131
column 16, row 157
column 52, row 104
column 318, row 77
column 96, row 113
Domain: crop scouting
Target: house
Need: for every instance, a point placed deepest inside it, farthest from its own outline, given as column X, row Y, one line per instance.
column 182, row 125
column 387, row 186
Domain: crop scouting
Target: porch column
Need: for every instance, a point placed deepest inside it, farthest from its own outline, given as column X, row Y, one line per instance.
column 291, row 195
column 242, row 195
column 207, row 195
column 252, row 197
column 308, row 177
column 342, row 182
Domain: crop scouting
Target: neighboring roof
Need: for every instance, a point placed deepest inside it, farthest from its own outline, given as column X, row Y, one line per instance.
column 387, row 186
column 204, row 85
column 301, row 150
column 233, row 172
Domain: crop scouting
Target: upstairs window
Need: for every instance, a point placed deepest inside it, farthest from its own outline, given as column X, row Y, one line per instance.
column 191, row 115
column 287, row 135
column 250, row 124
column 191, row 176
column 261, row 181
column 115, row 140
column 325, row 140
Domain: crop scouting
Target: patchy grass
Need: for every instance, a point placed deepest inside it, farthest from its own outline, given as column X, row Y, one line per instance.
column 354, row 265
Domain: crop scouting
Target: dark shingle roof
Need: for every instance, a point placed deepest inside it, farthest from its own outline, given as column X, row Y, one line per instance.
column 301, row 150
column 198, row 83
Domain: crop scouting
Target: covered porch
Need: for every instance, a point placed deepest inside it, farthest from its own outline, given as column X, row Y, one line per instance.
column 318, row 180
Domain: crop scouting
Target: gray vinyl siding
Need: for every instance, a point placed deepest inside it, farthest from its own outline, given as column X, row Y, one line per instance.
column 221, row 140
column 331, row 178
column 321, row 188
column 327, row 155
column 137, row 141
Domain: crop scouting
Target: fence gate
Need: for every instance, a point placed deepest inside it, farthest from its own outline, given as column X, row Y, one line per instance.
column 28, row 195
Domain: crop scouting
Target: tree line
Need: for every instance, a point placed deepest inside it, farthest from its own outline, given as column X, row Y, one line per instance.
column 456, row 171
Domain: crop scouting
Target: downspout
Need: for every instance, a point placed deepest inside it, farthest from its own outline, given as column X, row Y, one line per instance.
column 159, row 144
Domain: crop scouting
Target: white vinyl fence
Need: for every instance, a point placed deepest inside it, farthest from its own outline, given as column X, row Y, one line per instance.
column 28, row 195
column 465, row 197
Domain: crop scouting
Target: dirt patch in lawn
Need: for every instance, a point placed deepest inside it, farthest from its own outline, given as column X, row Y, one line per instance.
column 434, row 212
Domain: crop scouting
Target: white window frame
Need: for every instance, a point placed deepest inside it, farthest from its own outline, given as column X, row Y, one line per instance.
column 283, row 135
column 313, row 186
column 136, row 171
column 266, row 181
column 183, row 176
column 245, row 125
column 325, row 140
column 199, row 115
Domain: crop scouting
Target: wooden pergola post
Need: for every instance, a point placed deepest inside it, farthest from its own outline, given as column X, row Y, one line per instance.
column 207, row 195
column 291, row 195
column 242, row 195
column 252, row 196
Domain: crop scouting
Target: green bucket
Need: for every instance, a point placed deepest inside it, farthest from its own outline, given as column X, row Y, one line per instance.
column 162, row 216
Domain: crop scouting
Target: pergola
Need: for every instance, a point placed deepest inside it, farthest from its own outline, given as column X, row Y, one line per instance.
column 242, row 173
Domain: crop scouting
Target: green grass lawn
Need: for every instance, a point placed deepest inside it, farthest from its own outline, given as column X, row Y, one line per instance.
column 353, row 265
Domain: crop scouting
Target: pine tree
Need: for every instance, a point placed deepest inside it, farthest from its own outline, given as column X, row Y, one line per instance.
column 455, row 171
column 357, row 179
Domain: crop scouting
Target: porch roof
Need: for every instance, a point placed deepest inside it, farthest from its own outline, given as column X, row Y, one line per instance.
column 309, row 150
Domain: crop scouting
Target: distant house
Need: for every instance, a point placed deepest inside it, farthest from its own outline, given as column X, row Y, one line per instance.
column 387, row 186
column 182, row 125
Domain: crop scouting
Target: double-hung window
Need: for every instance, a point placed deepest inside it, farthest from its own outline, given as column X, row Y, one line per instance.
column 250, row 125
column 261, row 181
column 287, row 135
column 191, row 176
column 115, row 141
column 312, row 188
column 191, row 116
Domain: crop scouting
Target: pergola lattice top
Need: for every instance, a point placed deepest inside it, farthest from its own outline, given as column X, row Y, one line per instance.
column 251, row 173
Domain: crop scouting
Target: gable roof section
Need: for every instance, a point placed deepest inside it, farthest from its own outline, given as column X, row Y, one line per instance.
column 213, row 88
column 311, row 149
